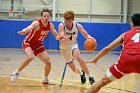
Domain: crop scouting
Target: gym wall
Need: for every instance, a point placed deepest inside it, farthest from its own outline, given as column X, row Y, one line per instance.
column 104, row 33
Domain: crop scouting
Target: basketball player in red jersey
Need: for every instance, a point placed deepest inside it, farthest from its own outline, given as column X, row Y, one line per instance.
column 32, row 44
column 129, row 60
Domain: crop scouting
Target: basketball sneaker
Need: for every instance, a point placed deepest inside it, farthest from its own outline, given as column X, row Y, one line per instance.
column 83, row 78
column 91, row 80
column 46, row 81
column 14, row 77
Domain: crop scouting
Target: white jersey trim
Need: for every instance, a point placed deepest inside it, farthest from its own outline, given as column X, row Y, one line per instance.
column 110, row 75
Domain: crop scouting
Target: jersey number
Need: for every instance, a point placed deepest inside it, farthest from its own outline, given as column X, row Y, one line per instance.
column 70, row 38
column 136, row 37
column 41, row 38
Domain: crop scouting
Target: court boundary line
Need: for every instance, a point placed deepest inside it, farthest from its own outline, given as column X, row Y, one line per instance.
column 121, row 89
column 57, row 81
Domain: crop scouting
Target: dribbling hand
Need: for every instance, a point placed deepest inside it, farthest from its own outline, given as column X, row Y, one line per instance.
column 92, row 61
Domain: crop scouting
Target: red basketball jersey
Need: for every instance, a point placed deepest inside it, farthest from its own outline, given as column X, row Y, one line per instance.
column 38, row 36
column 132, row 41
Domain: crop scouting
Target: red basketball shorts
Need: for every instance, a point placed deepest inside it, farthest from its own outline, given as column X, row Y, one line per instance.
column 126, row 64
column 37, row 47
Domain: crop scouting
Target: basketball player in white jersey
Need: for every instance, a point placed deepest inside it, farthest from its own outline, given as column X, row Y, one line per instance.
column 68, row 31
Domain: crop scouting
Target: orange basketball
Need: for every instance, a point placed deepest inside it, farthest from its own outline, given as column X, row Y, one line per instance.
column 90, row 44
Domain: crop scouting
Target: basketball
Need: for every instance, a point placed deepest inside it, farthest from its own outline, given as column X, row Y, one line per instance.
column 90, row 44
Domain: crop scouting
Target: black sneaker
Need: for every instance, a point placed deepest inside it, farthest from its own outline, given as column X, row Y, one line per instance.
column 83, row 78
column 91, row 80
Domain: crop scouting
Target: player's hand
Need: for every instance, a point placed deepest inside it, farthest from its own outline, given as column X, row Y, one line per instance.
column 65, row 39
column 90, row 37
column 92, row 61
column 58, row 37
column 21, row 32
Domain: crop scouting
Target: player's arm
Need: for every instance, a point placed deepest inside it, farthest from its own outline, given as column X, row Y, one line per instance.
column 61, row 30
column 83, row 31
column 107, row 49
column 29, row 28
column 63, row 38
column 54, row 32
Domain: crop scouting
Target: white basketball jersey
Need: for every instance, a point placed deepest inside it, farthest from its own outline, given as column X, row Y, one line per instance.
column 73, row 33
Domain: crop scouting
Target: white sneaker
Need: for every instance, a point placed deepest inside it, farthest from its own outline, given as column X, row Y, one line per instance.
column 14, row 77
column 46, row 81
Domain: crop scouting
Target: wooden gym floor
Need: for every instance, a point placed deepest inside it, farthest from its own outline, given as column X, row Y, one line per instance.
column 30, row 77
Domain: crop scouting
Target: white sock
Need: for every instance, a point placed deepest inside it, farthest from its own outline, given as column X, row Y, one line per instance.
column 17, row 71
column 45, row 77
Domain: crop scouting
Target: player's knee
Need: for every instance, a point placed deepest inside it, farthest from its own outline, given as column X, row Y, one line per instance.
column 30, row 58
column 78, row 58
column 74, row 69
column 104, row 82
column 48, row 64
column 81, row 61
column 47, row 61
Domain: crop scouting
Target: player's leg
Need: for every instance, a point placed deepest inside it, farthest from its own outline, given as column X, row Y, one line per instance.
column 76, row 55
column 77, row 70
column 43, row 56
column 95, row 87
column 112, row 74
column 69, row 60
column 67, row 54
column 29, row 57
column 74, row 68
column 24, row 63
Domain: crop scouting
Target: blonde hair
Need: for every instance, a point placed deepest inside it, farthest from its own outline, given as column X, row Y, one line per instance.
column 68, row 15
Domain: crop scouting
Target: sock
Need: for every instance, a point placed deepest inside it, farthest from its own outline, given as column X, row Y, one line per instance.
column 45, row 77
column 17, row 71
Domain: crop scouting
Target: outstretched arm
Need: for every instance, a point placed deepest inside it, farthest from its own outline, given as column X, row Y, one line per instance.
column 107, row 49
column 83, row 31
column 54, row 32
column 29, row 28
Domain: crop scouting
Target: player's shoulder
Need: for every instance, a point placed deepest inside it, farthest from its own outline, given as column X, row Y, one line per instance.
column 51, row 24
column 79, row 26
column 61, row 24
column 35, row 23
column 130, row 31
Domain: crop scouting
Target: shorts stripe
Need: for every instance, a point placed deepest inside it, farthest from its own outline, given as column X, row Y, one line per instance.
column 118, row 70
